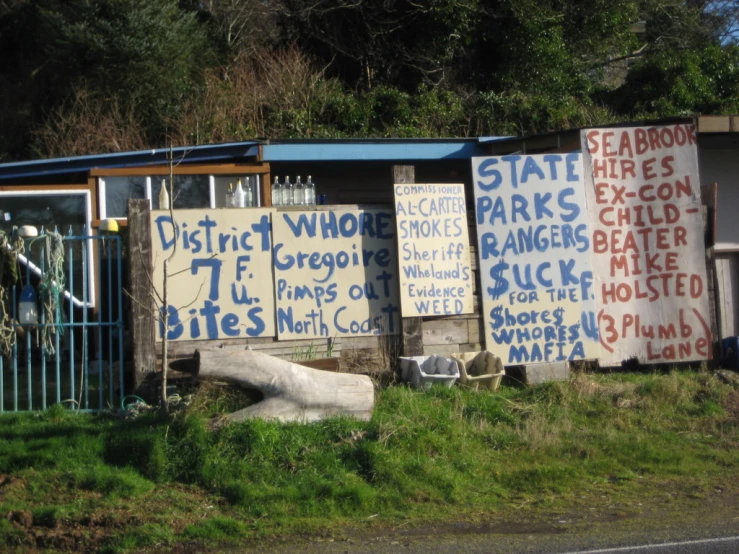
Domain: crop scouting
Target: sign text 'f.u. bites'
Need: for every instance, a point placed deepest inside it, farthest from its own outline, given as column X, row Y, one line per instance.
column 220, row 273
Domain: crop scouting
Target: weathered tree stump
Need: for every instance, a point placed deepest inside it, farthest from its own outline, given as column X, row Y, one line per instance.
column 291, row 392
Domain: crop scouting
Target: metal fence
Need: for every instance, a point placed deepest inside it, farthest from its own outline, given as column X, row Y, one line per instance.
column 73, row 354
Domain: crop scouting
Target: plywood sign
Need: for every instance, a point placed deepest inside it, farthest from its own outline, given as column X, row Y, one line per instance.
column 335, row 273
column 533, row 244
column 433, row 250
column 648, row 251
column 220, row 283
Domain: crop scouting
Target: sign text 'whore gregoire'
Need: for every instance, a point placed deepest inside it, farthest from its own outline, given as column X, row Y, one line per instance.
column 335, row 273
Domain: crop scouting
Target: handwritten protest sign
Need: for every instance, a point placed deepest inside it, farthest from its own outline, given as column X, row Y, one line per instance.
column 433, row 245
column 335, row 273
column 647, row 243
column 533, row 245
column 220, row 283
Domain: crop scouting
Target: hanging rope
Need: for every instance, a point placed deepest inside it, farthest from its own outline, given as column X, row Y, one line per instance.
column 9, row 249
column 51, row 287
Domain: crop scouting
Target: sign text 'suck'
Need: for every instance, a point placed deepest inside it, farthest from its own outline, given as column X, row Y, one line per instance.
column 220, row 278
column 533, row 245
column 335, row 273
column 433, row 249
column 648, row 251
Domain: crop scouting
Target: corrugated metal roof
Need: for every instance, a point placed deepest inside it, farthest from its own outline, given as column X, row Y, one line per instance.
column 190, row 154
column 273, row 151
column 373, row 149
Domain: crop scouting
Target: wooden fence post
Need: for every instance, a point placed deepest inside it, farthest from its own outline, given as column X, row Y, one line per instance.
column 141, row 273
column 412, row 326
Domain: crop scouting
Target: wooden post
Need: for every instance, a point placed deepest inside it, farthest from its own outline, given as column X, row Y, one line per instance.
column 412, row 326
column 709, row 198
column 141, row 273
column 266, row 190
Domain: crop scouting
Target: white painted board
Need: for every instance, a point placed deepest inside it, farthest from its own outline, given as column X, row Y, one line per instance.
column 648, row 252
column 335, row 273
column 534, row 260
column 220, row 283
column 433, row 249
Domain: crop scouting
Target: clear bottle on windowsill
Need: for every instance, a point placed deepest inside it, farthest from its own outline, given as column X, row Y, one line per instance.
column 230, row 196
column 277, row 192
column 287, row 192
column 309, row 192
column 239, row 196
column 248, row 194
column 298, row 193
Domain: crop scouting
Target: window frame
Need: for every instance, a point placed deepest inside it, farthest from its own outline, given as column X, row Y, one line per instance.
column 58, row 190
column 260, row 170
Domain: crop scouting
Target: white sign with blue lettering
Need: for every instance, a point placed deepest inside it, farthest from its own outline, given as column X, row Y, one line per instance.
column 434, row 249
column 335, row 273
column 220, row 278
column 534, row 252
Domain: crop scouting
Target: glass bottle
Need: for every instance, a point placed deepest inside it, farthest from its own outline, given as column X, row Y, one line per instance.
column 248, row 194
column 287, row 192
column 298, row 193
column 276, row 192
column 230, row 196
column 163, row 196
column 239, row 196
column 310, row 192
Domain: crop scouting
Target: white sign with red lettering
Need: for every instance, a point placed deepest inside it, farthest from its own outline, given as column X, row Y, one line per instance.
column 648, row 253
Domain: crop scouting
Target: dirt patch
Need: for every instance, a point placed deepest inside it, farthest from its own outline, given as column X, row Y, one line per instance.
column 9, row 483
column 21, row 518
column 622, row 394
column 732, row 405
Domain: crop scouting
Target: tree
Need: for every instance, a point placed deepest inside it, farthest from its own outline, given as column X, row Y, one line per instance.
column 141, row 54
column 682, row 82
column 382, row 42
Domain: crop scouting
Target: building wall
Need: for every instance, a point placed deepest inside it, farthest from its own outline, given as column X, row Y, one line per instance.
column 370, row 183
column 719, row 163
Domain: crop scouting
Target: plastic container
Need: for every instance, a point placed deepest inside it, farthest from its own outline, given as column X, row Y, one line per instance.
column 424, row 371
column 479, row 370
column 28, row 307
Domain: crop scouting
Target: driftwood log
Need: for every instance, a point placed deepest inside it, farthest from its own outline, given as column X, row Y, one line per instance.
column 291, row 392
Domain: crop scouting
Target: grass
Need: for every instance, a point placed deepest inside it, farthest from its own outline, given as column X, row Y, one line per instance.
column 100, row 483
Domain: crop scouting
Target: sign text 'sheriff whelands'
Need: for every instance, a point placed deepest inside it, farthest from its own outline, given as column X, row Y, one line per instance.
column 433, row 249
column 648, row 251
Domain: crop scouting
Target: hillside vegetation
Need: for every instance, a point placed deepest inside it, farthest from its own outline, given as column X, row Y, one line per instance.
column 83, row 77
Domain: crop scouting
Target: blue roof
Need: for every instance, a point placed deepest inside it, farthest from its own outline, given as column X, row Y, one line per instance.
column 58, row 166
column 273, row 151
column 374, row 149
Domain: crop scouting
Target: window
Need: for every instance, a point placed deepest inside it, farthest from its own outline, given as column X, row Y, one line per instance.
column 115, row 192
column 200, row 188
column 68, row 212
column 190, row 191
column 220, row 187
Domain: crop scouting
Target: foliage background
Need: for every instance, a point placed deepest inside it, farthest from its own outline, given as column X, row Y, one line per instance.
column 80, row 77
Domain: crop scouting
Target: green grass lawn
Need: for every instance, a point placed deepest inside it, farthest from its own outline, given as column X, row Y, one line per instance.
column 76, row 482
